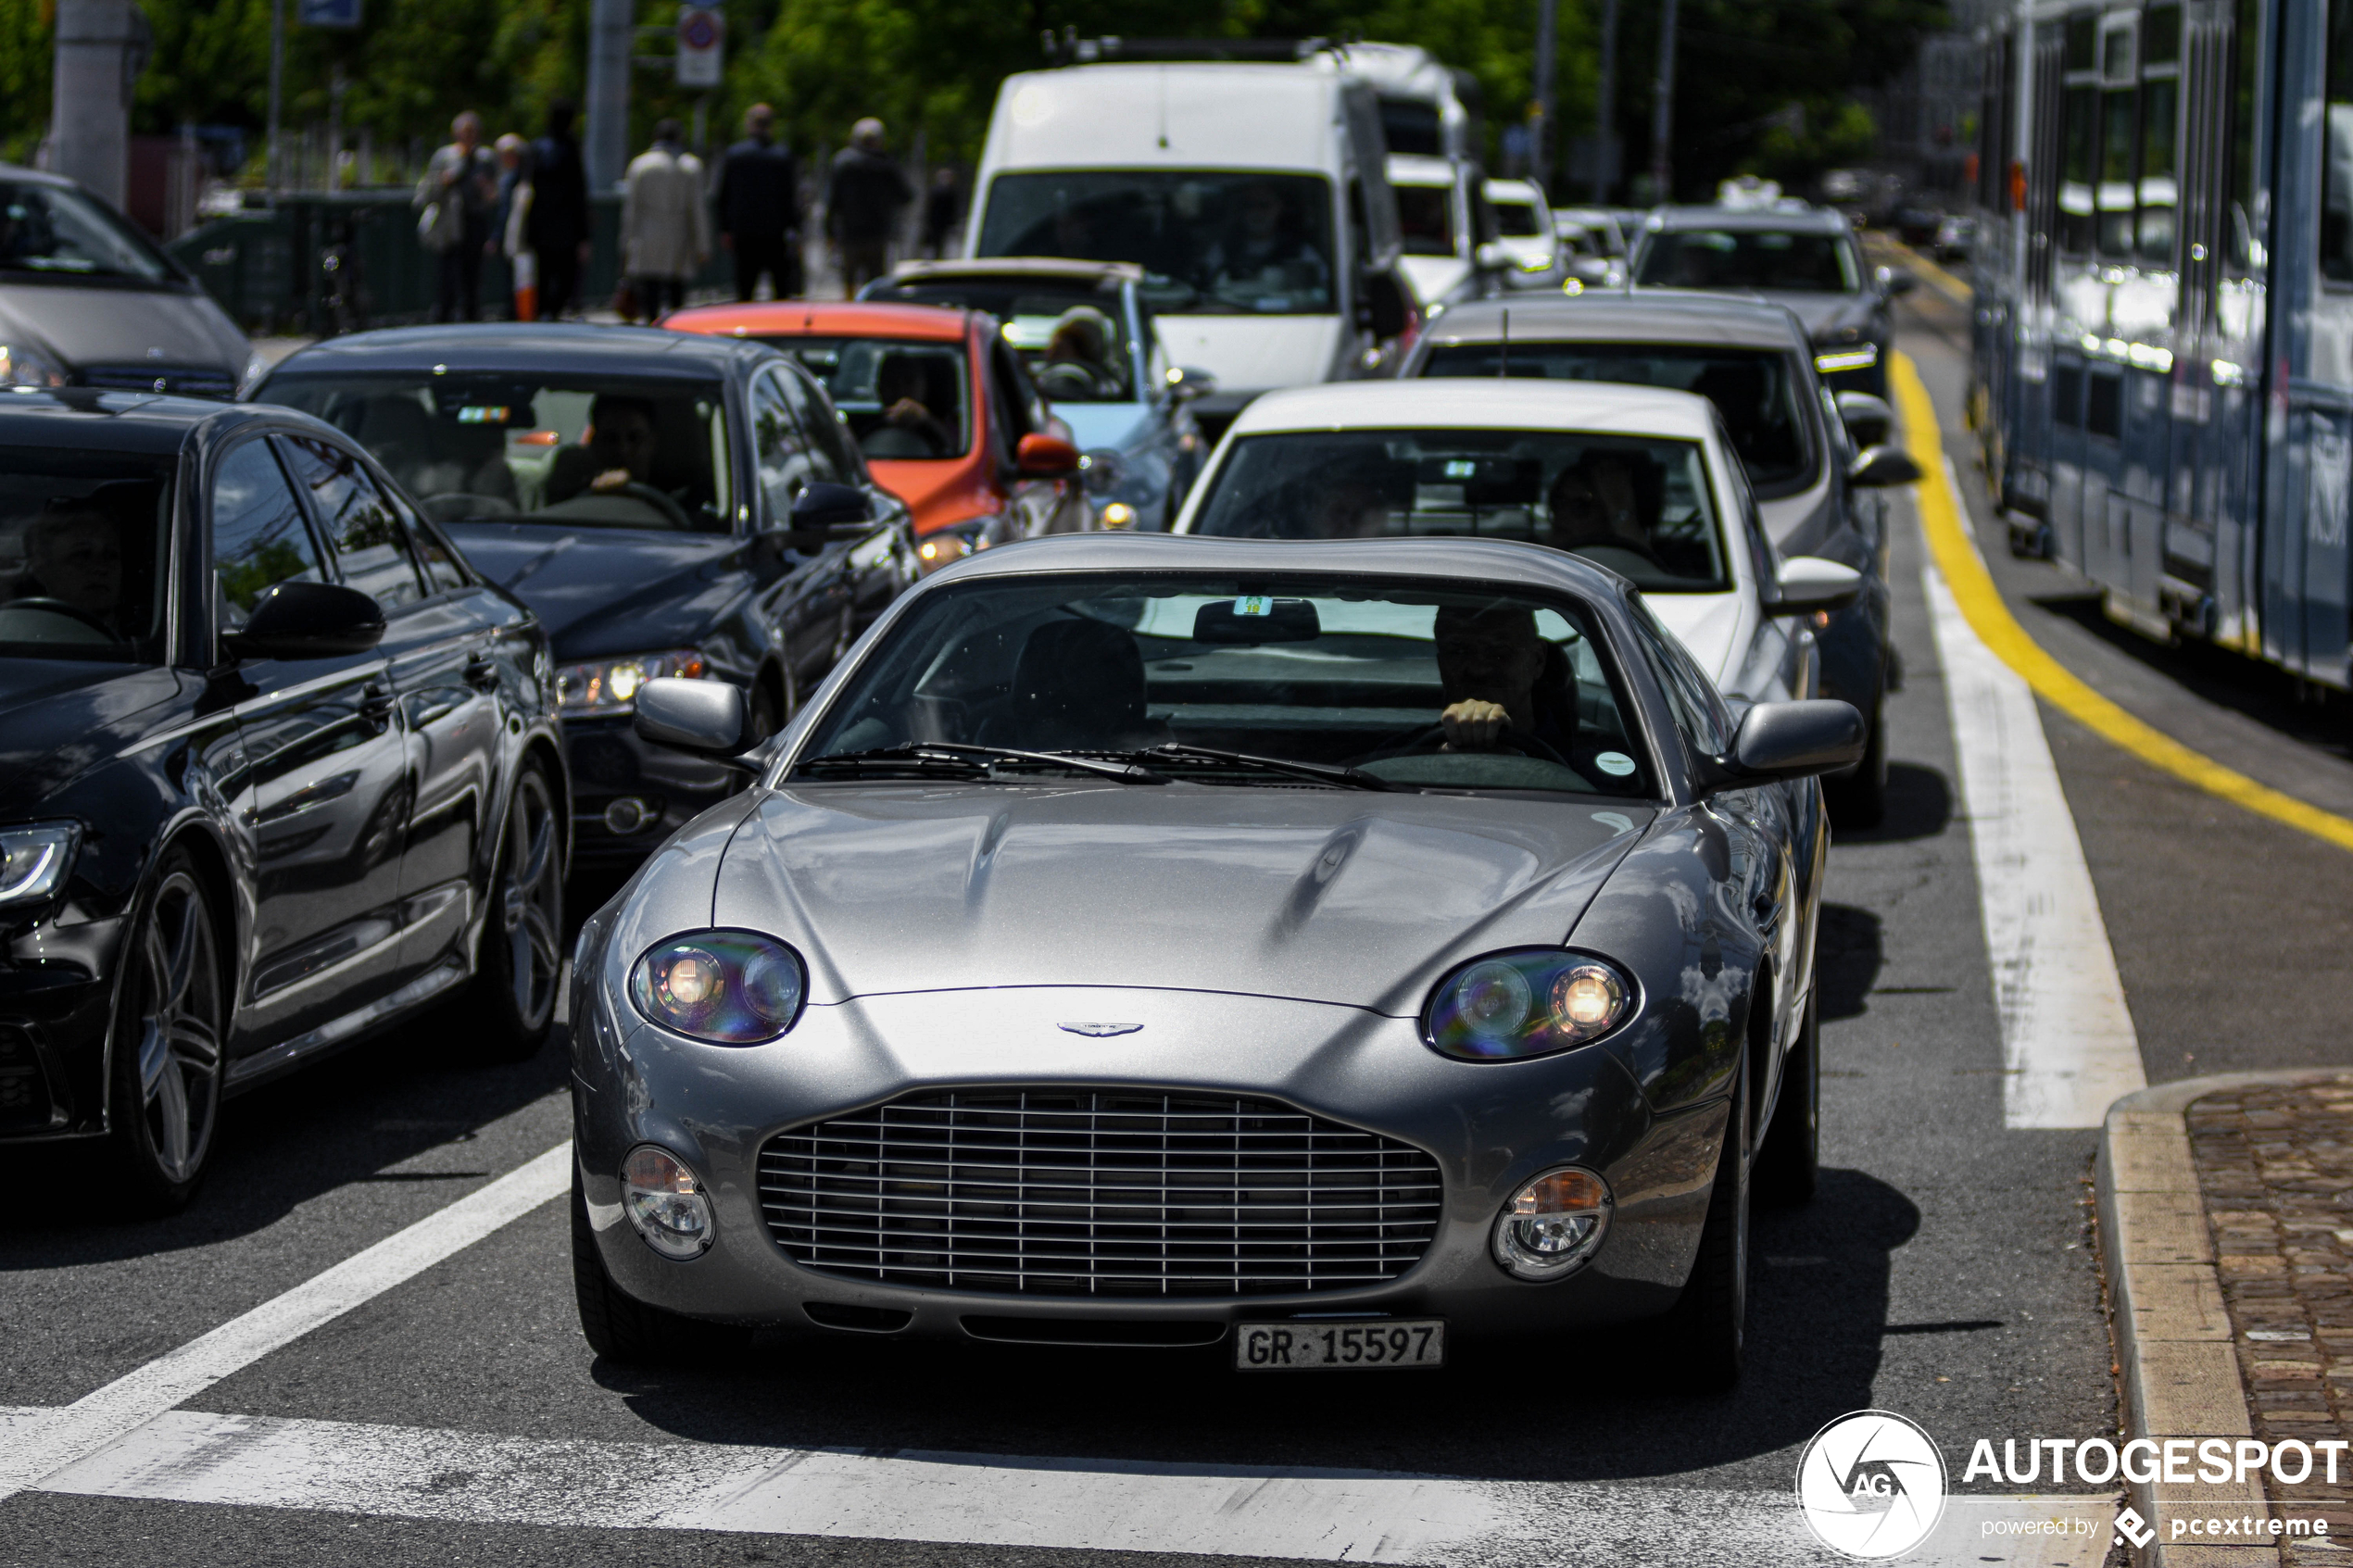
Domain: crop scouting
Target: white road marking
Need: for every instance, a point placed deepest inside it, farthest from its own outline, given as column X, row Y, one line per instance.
column 1325, row 1515
column 30, row 1452
column 2068, row 1045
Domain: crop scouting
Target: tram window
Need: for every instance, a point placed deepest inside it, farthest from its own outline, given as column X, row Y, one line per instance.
column 2158, row 192
column 2067, row 395
column 2161, row 35
column 2116, row 172
column 2336, row 195
column 2083, row 131
column 2246, row 243
column 2104, row 409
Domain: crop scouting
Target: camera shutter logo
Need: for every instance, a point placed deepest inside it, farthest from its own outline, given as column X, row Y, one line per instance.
column 1871, row 1485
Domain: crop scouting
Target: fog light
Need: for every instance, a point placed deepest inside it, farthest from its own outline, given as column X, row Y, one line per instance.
column 1119, row 514
column 1554, row 1226
column 664, row 1202
column 625, row 816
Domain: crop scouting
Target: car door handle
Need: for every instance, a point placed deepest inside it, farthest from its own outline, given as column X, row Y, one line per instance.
column 482, row 672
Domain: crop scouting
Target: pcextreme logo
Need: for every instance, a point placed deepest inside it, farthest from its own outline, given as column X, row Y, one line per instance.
column 1871, row 1485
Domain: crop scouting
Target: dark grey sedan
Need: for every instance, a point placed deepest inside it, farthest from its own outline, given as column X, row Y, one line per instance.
column 1063, row 981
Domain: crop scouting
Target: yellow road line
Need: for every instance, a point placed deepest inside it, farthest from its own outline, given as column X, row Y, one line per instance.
column 1981, row 602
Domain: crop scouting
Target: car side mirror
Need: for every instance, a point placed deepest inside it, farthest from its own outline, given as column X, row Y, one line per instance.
column 1789, row 740
column 1492, row 257
column 1812, row 583
column 1867, row 419
column 308, row 620
column 1188, row 382
column 1895, row 280
column 703, row 717
column 1045, row 456
column 1881, row 466
column 1388, row 309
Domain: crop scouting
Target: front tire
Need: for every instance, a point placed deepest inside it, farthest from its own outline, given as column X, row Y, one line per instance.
column 1705, row 1336
column 522, row 937
column 168, row 1031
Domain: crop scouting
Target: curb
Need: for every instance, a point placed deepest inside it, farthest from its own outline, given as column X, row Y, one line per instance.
column 2178, row 1370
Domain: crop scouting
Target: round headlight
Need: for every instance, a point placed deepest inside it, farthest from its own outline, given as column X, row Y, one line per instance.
column 728, row 987
column 1525, row 1004
column 665, row 1203
column 1553, row 1224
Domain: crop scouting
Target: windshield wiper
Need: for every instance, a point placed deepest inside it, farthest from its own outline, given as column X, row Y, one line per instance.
column 1320, row 772
column 972, row 761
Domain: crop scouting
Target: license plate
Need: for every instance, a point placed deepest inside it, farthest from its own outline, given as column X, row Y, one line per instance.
column 1337, row 1346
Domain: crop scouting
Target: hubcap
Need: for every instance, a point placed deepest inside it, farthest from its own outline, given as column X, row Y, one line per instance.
column 179, row 1027
column 531, row 902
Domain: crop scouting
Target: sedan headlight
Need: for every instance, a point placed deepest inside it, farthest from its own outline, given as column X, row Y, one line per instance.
column 33, row 861
column 22, row 365
column 1862, row 356
column 1516, row 1005
column 727, row 987
column 610, row 686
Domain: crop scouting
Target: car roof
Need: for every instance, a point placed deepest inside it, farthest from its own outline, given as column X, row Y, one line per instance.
column 1478, row 404
column 1059, row 269
column 1502, row 562
column 76, row 417
column 800, row 318
column 1754, row 220
column 572, row 346
column 1639, row 315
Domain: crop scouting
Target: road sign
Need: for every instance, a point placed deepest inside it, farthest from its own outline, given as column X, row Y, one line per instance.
column 329, row 13
column 702, row 33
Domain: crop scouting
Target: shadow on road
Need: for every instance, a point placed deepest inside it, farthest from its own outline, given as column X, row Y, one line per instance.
column 1920, row 805
column 1586, row 1405
column 1846, row 960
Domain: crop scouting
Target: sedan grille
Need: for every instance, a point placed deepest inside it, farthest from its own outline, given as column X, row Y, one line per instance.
column 1085, row 1192
column 180, row 380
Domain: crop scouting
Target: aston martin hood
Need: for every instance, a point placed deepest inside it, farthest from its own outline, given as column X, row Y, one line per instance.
column 608, row 590
column 1360, row 899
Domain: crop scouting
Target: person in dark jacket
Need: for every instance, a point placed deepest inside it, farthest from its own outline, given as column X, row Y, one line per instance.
column 863, row 203
column 759, row 202
column 556, row 226
column 943, row 209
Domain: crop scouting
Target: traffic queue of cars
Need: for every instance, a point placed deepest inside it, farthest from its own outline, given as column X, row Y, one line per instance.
column 817, row 613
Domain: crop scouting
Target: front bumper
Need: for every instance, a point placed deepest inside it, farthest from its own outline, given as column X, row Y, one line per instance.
column 627, row 797
column 56, row 1001
column 1491, row 1127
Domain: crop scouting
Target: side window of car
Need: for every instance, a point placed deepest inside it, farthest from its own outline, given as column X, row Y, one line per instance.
column 259, row 535
column 441, row 569
column 1764, row 561
column 362, row 530
column 779, row 449
column 832, row 455
column 1700, row 714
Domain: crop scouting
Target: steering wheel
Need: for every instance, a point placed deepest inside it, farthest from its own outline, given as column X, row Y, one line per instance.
column 59, row 607
column 1513, row 740
column 671, row 512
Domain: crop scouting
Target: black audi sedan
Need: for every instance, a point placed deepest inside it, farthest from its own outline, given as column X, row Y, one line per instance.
column 276, row 767
column 669, row 505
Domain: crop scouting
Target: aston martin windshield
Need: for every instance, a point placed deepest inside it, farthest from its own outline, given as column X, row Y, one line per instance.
column 1288, row 681
column 515, row 446
column 1637, row 504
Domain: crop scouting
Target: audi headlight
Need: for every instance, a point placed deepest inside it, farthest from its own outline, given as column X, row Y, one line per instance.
column 33, row 861
column 1516, row 1005
column 727, row 987
column 22, row 365
column 610, row 686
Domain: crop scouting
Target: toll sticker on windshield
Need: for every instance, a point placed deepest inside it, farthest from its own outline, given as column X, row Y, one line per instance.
column 482, row 414
column 1254, row 604
column 1617, row 764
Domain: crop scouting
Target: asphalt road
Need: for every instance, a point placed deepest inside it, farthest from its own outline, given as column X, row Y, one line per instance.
column 1944, row 1272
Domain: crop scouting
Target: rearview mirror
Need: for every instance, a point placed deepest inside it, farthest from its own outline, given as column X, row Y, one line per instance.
column 705, row 717
column 1253, row 619
column 1045, row 456
column 1811, row 583
column 1789, row 740
column 1881, row 466
column 1867, row 419
column 308, row 620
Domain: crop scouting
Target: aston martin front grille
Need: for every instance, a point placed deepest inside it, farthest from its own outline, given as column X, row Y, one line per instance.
column 1098, row 1192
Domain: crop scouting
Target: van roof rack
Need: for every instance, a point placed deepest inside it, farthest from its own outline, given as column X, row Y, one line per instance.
column 1068, row 48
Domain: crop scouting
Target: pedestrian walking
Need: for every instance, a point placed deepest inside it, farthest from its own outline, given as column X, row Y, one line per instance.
column 555, row 227
column 506, row 224
column 864, row 199
column 943, row 209
column 759, row 203
column 453, row 204
column 665, row 227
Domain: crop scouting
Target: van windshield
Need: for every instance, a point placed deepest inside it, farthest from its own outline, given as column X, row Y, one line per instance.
column 1211, row 242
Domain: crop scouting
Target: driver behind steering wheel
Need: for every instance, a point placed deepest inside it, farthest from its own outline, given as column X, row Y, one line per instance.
column 73, row 553
column 624, row 441
column 1506, row 688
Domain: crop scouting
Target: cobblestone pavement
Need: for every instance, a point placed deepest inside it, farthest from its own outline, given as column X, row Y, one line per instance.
column 2275, row 1163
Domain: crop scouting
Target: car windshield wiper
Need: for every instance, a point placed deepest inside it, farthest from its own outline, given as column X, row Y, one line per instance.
column 972, row 761
column 1320, row 772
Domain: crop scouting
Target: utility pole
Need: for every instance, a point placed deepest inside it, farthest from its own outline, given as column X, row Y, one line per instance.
column 1662, row 109
column 612, row 34
column 1540, row 148
column 102, row 47
column 1605, row 109
column 277, row 91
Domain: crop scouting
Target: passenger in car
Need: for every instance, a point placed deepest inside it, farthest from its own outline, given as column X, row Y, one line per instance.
column 909, row 427
column 624, row 442
column 1078, row 360
column 73, row 554
column 1594, row 501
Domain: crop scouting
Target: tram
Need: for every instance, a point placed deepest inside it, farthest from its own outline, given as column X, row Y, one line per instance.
column 2163, row 335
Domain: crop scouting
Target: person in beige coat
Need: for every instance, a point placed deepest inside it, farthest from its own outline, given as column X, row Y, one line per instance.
column 665, row 222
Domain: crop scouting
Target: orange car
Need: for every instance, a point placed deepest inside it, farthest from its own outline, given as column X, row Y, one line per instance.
column 943, row 410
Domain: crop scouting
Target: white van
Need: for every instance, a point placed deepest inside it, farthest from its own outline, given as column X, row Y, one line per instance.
column 1253, row 195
